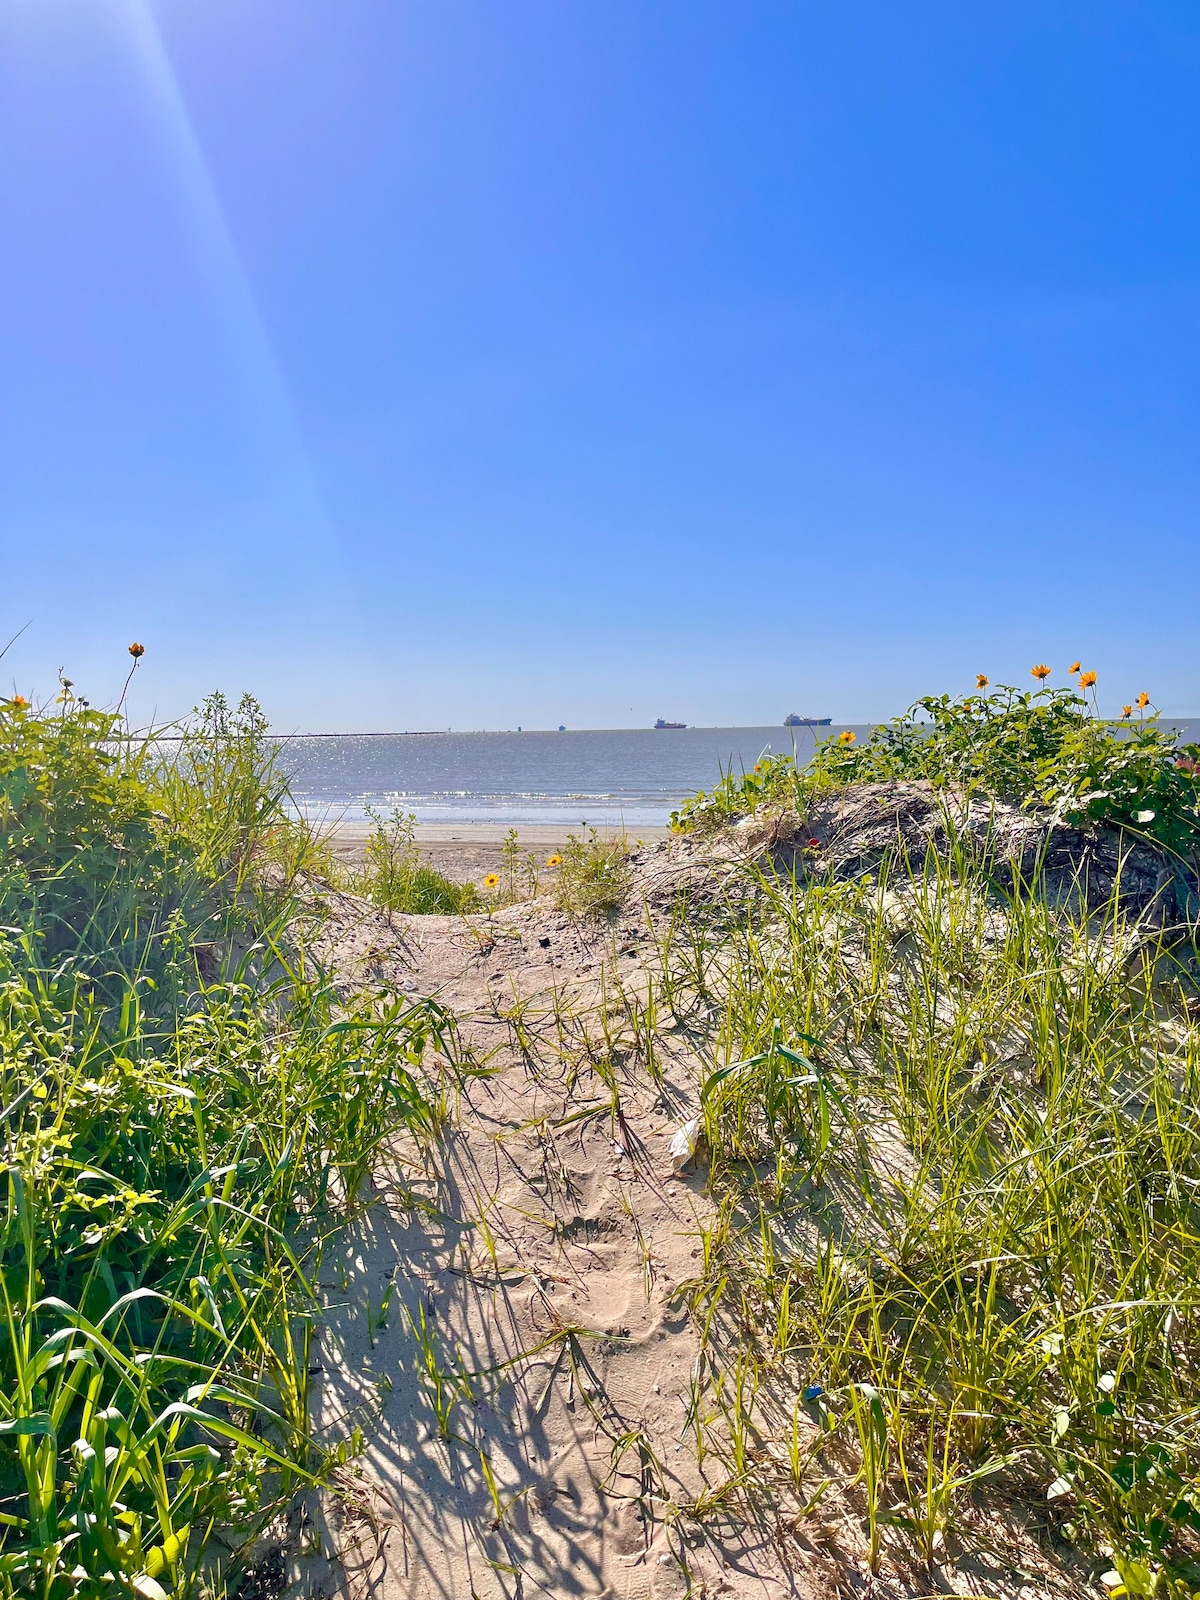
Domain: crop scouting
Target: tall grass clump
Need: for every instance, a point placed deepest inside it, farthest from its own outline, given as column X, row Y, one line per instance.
column 395, row 876
column 954, row 1135
column 587, row 877
column 592, row 874
column 221, row 792
column 177, row 1146
column 962, row 1140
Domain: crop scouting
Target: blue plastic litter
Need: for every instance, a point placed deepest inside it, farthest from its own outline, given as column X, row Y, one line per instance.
column 813, row 1392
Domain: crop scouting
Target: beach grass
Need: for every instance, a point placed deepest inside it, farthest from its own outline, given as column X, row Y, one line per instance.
column 947, row 1282
column 952, row 1129
column 953, row 1155
column 189, row 1111
column 394, row 875
column 591, row 875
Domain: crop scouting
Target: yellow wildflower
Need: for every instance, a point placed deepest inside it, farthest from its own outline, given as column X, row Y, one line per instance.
column 136, row 650
column 981, row 680
column 1086, row 680
column 1126, row 711
column 554, row 861
column 492, row 879
column 1143, row 700
column 1074, row 667
column 847, row 737
column 1041, row 671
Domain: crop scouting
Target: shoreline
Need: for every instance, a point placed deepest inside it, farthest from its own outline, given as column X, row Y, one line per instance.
column 466, row 850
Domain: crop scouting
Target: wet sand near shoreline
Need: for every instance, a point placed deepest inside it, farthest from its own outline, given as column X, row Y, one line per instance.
column 465, row 851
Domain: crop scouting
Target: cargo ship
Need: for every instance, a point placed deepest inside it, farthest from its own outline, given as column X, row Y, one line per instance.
column 661, row 724
column 793, row 721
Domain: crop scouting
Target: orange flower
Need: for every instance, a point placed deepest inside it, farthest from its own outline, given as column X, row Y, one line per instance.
column 847, row 737
column 1086, row 680
column 1143, row 700
column 981, row 681
column 1126, row 711
column 1041, row 671
column 19, row 701
column 136, row 650
column 1074, row 667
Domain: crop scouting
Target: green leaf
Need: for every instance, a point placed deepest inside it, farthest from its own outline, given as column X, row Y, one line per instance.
column 38, row 1422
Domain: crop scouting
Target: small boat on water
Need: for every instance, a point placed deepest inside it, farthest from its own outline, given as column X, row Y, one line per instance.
column 793, row 721
column 661, row 724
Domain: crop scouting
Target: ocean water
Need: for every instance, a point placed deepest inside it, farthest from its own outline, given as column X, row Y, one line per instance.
column 624, row 776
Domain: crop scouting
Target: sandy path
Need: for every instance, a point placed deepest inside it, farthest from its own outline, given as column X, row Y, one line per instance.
column 525, row 1397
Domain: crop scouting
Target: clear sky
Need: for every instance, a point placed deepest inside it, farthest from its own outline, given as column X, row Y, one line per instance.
column 419, row 363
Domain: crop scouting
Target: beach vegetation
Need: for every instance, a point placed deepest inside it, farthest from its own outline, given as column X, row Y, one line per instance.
column 189, row 1112
column 592, row 875
column 396, row 876
column 588, row 876
column 952, row 1134
column 953, row 1145
column 946, row 1283
column 1045, row 750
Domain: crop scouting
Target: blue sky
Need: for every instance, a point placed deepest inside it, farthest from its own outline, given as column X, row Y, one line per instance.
column 420, row 363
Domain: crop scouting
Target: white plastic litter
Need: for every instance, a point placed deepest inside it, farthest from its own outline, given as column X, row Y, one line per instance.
column 683, row 1145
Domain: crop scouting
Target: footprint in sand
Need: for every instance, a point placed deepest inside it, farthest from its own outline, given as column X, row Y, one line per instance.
column 637, row 1585
column 610, row 1298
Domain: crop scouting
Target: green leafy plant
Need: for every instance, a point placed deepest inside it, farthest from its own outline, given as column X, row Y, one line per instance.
column 221, row 788
column 772, row 778
column 82, row 857
column 176, row 1150
column 1044, row 749
column 1041, row 748
column 396, row 876
column 592, row 875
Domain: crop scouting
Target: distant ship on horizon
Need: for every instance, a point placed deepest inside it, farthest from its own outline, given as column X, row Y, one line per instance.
column 661, row 724
column 793, row 721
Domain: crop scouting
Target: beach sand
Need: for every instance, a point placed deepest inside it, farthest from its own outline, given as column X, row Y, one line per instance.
column 530, row 1279
column 517, row 1326
column 465, row 851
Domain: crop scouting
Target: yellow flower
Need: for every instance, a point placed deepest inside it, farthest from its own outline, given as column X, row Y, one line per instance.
column 1074, row 667
column 1126, row 711
column 1086, row 680
column 492, row 879
column 758, row 766
column 1143, row 700
column 847, row 737
column 981, row 680
column 554, row 861
column 136, row 650
column 19, row 701
column 1041, row 671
